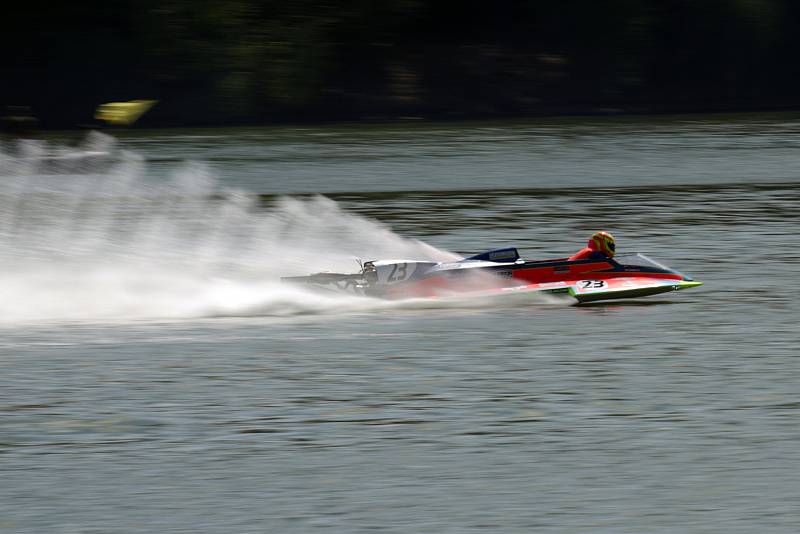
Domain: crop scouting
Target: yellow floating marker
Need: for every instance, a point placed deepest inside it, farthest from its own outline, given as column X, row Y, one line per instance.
column 123, row 113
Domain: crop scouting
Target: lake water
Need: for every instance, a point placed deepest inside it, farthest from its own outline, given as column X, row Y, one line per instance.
column 156, row 377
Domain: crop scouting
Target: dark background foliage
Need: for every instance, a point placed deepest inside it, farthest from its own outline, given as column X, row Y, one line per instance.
column 244, row 61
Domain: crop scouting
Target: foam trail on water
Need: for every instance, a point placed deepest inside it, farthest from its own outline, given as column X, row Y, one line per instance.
column 117, row 246
column 29, row 157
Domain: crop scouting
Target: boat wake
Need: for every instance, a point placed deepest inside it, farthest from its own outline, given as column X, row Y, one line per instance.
column 121, row 246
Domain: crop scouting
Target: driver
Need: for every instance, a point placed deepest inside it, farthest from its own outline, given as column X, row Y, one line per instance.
column 600, row 247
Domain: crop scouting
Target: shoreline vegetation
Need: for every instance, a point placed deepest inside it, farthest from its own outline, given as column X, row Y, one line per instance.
column 248, row 63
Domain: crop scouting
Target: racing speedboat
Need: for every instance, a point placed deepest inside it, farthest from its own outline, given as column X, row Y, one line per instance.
column 502, row 271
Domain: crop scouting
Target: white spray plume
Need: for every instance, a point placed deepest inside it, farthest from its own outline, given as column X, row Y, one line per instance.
column 116, row 246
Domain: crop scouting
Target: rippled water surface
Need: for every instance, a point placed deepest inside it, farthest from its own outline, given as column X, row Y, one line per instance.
column 157, row 377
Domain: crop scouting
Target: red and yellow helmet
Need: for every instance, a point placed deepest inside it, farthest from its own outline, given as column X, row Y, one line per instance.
column 603, row 242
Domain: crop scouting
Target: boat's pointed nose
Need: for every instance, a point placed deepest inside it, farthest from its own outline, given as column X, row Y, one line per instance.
column 683, row 284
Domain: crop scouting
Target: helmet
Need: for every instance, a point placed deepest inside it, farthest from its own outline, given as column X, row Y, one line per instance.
column 603, row 242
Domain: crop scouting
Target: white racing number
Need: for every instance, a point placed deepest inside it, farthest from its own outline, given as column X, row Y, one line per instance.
column 592, row 285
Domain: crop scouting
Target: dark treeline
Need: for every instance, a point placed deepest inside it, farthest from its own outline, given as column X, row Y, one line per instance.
column 245, row 61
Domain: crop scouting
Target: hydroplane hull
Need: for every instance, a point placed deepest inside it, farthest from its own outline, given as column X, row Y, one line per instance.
column 502, row 271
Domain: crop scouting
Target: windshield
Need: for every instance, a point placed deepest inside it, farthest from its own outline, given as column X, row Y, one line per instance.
column 638, row 259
